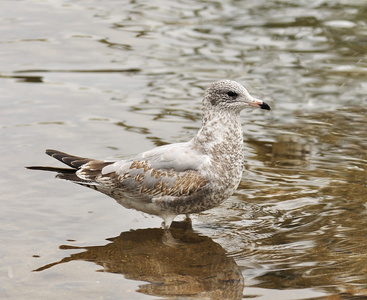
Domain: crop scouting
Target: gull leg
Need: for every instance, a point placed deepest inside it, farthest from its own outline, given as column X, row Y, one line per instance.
column 188, row 222
column 167, row 237
column 167, row 221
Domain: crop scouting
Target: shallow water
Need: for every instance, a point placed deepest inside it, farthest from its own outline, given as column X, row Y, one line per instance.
column 108, row 79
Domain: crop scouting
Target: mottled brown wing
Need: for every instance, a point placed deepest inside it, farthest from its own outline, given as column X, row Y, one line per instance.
column 140, row 179
column 185, row 184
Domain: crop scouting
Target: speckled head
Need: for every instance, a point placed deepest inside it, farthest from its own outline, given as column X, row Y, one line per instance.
column 230, row 95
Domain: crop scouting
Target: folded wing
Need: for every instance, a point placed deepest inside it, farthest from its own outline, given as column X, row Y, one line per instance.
column 170, row 170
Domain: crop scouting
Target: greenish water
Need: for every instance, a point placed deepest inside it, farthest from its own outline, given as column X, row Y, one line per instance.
column 108, row 79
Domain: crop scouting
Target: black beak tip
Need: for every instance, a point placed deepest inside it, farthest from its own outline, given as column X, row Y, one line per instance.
column 264, row 105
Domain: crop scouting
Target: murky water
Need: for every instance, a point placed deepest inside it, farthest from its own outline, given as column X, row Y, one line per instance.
column 108, row 79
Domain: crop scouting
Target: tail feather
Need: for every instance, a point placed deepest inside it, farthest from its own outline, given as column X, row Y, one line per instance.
column 74, row 178
column 90, row 168
column 70, row 160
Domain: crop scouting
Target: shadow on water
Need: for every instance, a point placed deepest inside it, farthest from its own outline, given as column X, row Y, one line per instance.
column 197, row 267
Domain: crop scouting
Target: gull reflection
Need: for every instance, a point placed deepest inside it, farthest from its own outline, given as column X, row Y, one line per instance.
column 197, row 267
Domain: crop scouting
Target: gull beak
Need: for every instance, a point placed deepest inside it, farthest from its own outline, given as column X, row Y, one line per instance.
column 259, row 104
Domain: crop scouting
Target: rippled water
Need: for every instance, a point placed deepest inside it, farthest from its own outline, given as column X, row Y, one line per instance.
column 108, row 79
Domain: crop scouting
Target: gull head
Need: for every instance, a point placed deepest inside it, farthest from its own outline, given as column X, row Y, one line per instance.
column 231, row 96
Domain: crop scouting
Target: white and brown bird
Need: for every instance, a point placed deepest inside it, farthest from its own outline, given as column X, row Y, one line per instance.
column 181, row 178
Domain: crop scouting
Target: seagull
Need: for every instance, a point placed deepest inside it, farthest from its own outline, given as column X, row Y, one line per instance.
column 179, row 178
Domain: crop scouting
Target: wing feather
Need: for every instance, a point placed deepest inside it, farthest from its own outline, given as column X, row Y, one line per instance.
column 171, row 170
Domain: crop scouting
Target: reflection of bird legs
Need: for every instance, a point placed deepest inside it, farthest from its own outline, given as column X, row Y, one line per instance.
column 168, row 239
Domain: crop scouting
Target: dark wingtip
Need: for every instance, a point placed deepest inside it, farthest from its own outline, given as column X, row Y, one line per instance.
column 51, row 169
column 51, row 152
column 264, row 105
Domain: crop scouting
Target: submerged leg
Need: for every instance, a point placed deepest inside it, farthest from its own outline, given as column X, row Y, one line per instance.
column 167, row 237
column 169, row 240
column 185, row 224
column 188, row 222
column 167, row 221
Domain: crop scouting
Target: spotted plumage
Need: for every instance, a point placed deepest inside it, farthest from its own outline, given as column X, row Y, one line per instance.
column 180, row 178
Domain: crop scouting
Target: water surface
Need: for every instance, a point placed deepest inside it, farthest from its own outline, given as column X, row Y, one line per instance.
column 108, row 79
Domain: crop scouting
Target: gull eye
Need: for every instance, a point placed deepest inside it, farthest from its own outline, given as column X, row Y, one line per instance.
column 232, row 94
